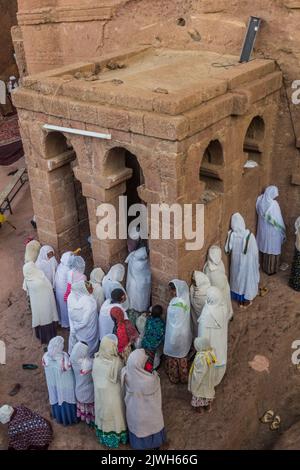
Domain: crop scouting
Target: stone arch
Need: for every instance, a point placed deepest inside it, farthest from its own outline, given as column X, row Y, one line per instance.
column 212, row 164
column 254, row 140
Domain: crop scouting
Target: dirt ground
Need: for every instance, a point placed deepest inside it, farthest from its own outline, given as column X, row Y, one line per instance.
column 267, row 329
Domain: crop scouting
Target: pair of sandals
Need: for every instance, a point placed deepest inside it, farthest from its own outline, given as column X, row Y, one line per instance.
column 270, row 418
column 263, row 291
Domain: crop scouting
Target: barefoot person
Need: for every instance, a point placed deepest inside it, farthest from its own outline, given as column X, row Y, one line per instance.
column 270, row 230
column 202, row 376
column 244, row 264
column 42, row 302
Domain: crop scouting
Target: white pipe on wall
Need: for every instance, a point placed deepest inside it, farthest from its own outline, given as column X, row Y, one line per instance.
column 70, row 130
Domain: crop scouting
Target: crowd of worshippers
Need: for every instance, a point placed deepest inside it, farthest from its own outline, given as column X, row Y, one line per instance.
column 109, row 379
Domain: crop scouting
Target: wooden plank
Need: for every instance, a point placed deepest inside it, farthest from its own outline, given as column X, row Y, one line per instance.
column 15, row 179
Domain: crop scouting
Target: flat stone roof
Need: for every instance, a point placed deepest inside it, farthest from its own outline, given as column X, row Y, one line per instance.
column 164, row 81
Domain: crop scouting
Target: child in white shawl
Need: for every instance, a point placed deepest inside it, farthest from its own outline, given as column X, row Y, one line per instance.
column 202, row 376
column 47, row 263
column 270, row 230
column 84, row 387
column 96, row 279
column 215, row 271
column 198, row 294
column 244, row 266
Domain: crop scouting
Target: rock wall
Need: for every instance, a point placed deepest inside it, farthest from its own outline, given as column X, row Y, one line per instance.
column 58, row 32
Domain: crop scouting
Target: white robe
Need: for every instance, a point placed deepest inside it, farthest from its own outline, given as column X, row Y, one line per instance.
column 198, row 294
column 83, row 318
column 138, row 285
column 42, row 301
column 244, row 267
column 60, row 286
column 112, row 280
column 106, row 323
column 213, row 325
column 215, row 271
column 96, row 278
column 178, row 337
column 271, row 228
column 48, row 266
column 82, row 368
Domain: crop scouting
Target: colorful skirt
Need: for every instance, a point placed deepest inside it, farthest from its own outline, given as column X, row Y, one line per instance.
column 270, row 263
column 177, row 369
column 198, row 402
column 86, row 412
column 65, row 414
column 294, row 281
column 112, row 439
column 46, row 332
column 154, row 441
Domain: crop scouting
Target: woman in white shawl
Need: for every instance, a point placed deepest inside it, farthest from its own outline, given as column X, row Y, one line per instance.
column 110, row 423
column 32, row 251
column 198, row 294
column 60, row 383
column 270, row 230
column 213, row 325
column 75, row 274
column 295, row 273
column 138, row 285
column 82, row 367
column 202, row 376
column 112, row 280
column 215, row 271
column 244, row 266
column 96, row 278
column 178, row 337
column 83, row 317
column 143, row 403
column 60, row 286
column 47, row 263
column 42, row 302
column 106, row 323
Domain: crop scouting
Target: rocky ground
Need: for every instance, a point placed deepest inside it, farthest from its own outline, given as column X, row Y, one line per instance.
column 267, row 329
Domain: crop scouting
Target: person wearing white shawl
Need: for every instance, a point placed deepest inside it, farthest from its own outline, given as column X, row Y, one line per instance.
column 47, row 263
column 75, row 274
column 112, row 280
column 96, row 278
column 270, row 230
column 60, row 286
column 213, row 325
column 198, row 294
column 60, row 382
column 215, row 271
column 143, row 403
column 178, row 337
column 138, row 284
column 83, row 317
column 42, row 302
column 294, row 281
column 32, row 251
column 106, row 323
column 202, row 376
column 110, row 423
column 84, row 388
column 244, row 266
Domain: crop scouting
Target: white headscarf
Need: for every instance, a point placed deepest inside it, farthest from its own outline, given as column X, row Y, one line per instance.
column 6, row 412
column 64, row 267
column 55, row 352
column 96, row 278
column 238, row 227
column 80, row 356
column 32, row 273
column 32, row 251
column 79, row 289
column 214, row 259
column 115, row 275
column 108, row 353
column 138, row 285
column 265, row 201
column 178, row 336
column 48, row 266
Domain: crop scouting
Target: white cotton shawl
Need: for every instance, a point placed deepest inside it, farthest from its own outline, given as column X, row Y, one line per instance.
column 60, row 286
column 109, row 403
column 96, row 278
column 82, row 367
column 42, row 300
column 178, row 337
column 142, row 396
column 32, row 251
column 106, row 323
column 83, row 317
column 271, row 228
column 48, row 266
column 112, row 280
column 202, row 373
column 138, row 285
column 244, row 267
column 215, row 271
column 198, row 294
